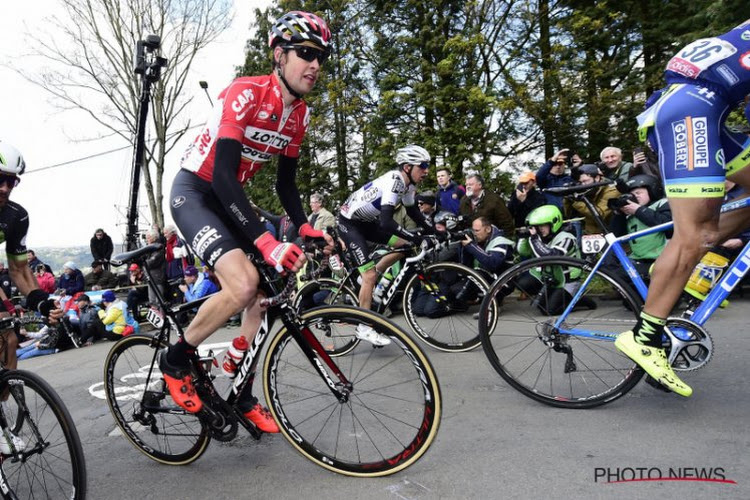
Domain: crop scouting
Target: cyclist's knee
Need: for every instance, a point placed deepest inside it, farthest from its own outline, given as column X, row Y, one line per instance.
column 369, row 276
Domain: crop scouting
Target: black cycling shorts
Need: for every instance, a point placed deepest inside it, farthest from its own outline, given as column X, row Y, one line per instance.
column 202, row 220
column 352, row 232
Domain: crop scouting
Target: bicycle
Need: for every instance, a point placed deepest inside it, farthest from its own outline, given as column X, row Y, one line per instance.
column 569, row 360
column 371, row 413
column 45, row 457
column 453, row 329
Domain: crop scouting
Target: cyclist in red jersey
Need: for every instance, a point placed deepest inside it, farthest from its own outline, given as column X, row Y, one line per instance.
column 254, row 119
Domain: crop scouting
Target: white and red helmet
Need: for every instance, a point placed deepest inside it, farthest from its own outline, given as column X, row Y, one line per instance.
column 298, row 27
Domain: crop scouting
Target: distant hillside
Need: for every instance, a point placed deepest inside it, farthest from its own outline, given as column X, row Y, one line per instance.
column 57, row 256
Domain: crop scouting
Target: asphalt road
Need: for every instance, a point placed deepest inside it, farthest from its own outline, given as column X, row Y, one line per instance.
column 493, row 441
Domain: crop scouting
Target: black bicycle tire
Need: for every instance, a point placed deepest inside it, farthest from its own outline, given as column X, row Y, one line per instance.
column 67, row 426
column 110, row 365
column 312, row 287
column 630, row 380
column 430, row 422
column 413, row 320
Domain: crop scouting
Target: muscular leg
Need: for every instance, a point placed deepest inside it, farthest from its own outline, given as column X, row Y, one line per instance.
column 696, row 223
column 365, row 290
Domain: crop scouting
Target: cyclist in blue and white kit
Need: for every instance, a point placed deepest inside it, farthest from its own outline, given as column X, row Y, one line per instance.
column 367, row 215
column 707, row 79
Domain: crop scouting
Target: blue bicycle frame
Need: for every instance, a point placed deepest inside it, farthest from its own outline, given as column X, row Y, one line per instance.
column 729, row 280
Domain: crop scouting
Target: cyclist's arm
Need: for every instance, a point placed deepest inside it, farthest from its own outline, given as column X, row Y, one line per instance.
column 391, row 226
column 417, row 216
column 229, row 191
column 286, row 188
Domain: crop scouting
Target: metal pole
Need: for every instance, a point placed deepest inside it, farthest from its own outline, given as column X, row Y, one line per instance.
column 135, row 181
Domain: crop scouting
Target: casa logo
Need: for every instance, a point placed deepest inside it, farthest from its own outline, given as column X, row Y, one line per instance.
column 745, row 60
column 241, row 103
column 370, row 194
column 691, row 143
column 745, row 35
column 178, row 201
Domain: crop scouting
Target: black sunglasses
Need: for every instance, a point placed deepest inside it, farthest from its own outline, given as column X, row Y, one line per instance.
column 9, row 180
column 424, row 165
column 308, row 54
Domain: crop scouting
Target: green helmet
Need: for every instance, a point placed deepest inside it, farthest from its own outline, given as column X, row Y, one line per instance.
column 546, row 214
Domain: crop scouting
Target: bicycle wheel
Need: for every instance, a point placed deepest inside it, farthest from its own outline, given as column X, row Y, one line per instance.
column 447, row 323
column 143, row 409
column 326, row 291
column 576, row 365
column 50, row 462
column 393, row 411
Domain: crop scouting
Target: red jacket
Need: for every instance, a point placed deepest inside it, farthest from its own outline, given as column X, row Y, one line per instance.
column 46, row 282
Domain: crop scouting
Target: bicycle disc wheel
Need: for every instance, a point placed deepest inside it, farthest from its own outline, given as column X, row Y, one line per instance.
column 326, row 291
column 393, row 411
column 143, row 409
column 51, row 462
column 446, row 323
column 576, row 365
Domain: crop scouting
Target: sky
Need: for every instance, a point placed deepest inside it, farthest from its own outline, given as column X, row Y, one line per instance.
column 68, row 203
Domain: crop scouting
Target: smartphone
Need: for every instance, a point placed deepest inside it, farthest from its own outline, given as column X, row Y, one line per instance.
column 521, row 187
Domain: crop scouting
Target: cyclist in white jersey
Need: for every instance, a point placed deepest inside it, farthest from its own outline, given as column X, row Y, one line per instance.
column 367, row 216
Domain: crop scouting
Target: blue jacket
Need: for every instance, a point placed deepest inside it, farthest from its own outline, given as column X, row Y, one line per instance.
column 72, row 283
column 202, row 287
column 545, row 179
column 449, row 198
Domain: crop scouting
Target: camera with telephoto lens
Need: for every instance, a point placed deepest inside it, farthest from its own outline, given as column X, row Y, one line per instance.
column 522, row 232
column 621, row 201
column 462, row 234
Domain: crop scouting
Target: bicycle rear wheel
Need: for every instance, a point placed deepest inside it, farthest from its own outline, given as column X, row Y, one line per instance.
column 393, row 411
column 447, row 324
column 327, row 291
column 143, row 409
column 576, row 365
column 50, row 461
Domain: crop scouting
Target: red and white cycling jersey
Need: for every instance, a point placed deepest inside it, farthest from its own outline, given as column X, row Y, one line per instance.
column 251, row 111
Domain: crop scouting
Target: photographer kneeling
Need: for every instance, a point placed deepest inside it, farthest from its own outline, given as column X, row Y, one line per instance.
column 486, row 249
column 644, row 206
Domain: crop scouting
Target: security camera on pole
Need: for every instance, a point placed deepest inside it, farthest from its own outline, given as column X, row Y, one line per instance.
column 148, row 64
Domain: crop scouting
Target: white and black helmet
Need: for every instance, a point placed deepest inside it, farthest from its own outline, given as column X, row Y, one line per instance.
column 412, row 155
column 11, row 161
column 449, row 219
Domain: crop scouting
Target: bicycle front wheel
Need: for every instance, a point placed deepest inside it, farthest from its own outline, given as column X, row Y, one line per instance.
column 393, row 411
column 327, row 291
column 575, row 365
column 143, row 409
column 440, row 306
column 47, row 460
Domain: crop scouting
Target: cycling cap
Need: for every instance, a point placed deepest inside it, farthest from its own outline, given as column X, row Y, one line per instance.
column 412, row 154
column 546, row 214
column 651, row 183
column 449, row 219
column 11, row 161
column 298, row 27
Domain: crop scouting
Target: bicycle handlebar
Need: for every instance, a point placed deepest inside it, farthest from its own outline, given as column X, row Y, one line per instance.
column 576, row 188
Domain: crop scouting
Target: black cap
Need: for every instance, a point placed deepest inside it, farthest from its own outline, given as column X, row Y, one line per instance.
column 427, row 197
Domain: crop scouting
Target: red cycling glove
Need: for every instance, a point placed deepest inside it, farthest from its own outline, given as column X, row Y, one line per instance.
column 307, row 231
column 9, row 306
column 280, row 255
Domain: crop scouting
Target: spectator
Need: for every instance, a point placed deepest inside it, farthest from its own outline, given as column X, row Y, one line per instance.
column 176, row 253
column 284, row 228
column 92, row 328
column 449, row 192
column 138, row 294
column 101, row 247
column 99, row 278
column 157, row 265
column 320, row 218
column 488, row 251
column 115, row 316
column 552, row 174
column 480, row 202
column 196, row 285
column 34, row 260
column 612, row 165
column 45, row 279
column 575, row 160
column 525, row 198
column 71, row 281
column 645, row 162
column 650, row 208
column 426, row 205
column 599, row 197
column 5, row 283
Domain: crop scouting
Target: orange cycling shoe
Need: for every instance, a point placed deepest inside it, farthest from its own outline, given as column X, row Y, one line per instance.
column 180, row 385
column 262, row 419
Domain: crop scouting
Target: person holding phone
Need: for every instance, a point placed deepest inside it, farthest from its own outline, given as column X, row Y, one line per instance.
column 554, row 174
column 525, row 198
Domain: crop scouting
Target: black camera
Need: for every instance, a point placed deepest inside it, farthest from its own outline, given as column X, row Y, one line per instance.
column 462, row 234
column 522, row 232
column 621, row 201
column 147, row 61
